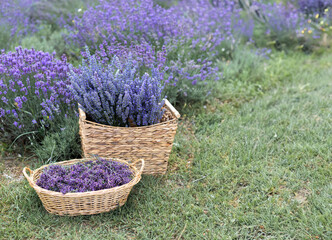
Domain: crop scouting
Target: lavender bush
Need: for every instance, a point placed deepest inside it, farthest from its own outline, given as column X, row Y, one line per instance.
column 20, row 18
column 207, row 23
column 13, row 16
column 85, row 177
column 284, row 24
column 129, row 23
column 139, row 28
column 142, row 53
column 33, row 91
column 314, row 6
column 319, row 16
column 183, row 39
column 116, row 94
column 282, row 19
column 142, row 21
column 208, row 35
column 322, row 24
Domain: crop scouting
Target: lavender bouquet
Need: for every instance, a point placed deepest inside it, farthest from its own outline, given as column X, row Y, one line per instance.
column 117, row 94
column 84, row 177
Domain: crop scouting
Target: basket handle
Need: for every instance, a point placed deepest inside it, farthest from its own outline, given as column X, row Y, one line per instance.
column 26, row 174
column 142, row 166
column 172, row 109
column 81, row 113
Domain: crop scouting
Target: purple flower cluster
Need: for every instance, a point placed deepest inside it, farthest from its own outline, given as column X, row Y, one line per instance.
column 24, row 17
column 153, row 35
column 314, row 6
column 143, row 53
column 116, row 94
column 206, row 29
column 282, row 19
column 262, row 52
column 14, row 17
column 207, row 23
column 140, row 29
column 128, row 22
column 33, row 89
column 85, row 176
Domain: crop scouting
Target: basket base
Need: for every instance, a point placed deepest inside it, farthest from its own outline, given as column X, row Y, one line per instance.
column 83, row 212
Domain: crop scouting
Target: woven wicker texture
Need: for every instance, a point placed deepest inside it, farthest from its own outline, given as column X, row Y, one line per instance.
column 86, row 203
column 152, row 143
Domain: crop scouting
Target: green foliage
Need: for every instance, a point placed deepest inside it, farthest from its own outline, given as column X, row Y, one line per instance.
column 48, row 40
column 6, row 41
column 247, row 5
column 244, row 74
column 61, row 142
column 53, row 13
column 166, row 3
column 245, row 65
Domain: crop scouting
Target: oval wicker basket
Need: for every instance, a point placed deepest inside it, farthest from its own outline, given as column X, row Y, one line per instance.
column 153, row 143
column 85, row 203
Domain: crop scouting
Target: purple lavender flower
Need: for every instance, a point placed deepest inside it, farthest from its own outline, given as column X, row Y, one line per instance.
column 85, row 176
column 33, row 84
column 125, row 22
column 18, row 102
column 282, row 18
column 314, row 6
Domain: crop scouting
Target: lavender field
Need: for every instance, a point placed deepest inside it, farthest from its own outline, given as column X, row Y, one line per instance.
column 251, row 79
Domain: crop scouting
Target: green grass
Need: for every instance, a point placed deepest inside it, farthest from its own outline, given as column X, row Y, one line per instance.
column 255, row 163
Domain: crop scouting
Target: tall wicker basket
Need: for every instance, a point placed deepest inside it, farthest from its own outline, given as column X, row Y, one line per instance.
column 152, row 143
column 85, row 203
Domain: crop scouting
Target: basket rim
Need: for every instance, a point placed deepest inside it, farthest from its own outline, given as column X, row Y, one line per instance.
column 175, row 113
column 38, row 189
